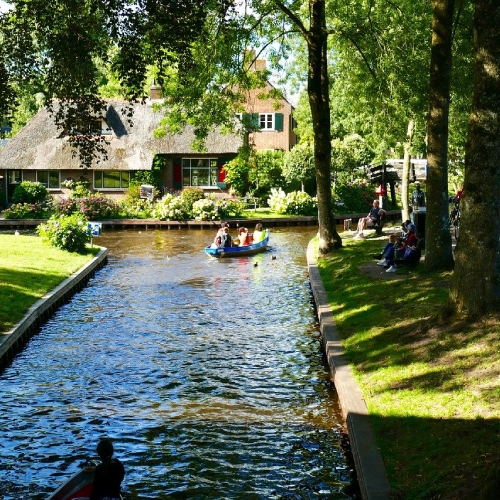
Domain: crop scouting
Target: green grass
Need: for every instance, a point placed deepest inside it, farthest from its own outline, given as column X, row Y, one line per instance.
column 29, row 268
column 432, row 389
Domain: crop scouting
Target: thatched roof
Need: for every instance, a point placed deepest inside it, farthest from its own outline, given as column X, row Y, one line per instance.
column 41, row 145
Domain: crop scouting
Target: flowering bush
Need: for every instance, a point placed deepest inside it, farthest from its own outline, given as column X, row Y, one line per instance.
column 68, row 232
column 137, row 209
column 26, row 211
column 353, row 197
column 277, row 201
column 205, row 209
column 294, row 203
column 300, row 203
column 191, row 195
column 227, row 207
column 170, row 207
column 93, row 207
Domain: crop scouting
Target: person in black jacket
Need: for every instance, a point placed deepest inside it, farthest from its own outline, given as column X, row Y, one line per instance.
column 108, row 475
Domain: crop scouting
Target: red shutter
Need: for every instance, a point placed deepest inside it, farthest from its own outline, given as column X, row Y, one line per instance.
column 177, row 164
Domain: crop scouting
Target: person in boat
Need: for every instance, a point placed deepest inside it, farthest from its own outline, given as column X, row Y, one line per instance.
column 243, row 237
column 259, row 234
column 108, row 475
column 225, row 239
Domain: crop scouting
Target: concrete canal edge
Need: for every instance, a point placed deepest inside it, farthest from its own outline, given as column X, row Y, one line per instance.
column 370, row 467
column 13, row 340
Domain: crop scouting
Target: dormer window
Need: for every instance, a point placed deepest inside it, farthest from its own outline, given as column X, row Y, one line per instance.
column 93, row 127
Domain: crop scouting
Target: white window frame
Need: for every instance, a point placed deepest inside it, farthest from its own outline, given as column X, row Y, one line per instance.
column 267, row 121
column 213, row 169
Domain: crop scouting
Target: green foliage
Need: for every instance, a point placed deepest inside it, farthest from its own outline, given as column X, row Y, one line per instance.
column 353, row 197
column 191, row 195
column 136, row 208
column 298, row 165
column 79, row 188
column 294, row 203
column 237, row 174
column 150, row 177
column 68, row 232
column 26, row 211
column 348, row 154
column 30, row 192
column 228, row 207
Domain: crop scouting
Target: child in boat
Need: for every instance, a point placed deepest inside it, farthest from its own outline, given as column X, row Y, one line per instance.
column 108, row 475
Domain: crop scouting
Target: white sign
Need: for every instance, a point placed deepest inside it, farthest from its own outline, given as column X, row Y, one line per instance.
column 147, row 192
column 94, row 228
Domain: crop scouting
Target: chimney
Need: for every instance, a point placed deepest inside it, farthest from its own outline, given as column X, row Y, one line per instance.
column 155, row 92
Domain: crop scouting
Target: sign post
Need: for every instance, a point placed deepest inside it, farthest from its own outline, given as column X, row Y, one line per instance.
column 94, row 229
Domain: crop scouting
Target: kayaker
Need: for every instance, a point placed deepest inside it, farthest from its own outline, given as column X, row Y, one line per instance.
column 108, row 475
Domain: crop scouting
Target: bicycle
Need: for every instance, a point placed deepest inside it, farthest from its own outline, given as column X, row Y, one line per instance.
column 454, row 219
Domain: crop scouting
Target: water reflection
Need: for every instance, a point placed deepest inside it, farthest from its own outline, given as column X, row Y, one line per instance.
column 207, row 373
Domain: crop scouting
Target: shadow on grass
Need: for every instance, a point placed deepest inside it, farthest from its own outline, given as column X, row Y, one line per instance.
column 19, row 290
column 431, row 468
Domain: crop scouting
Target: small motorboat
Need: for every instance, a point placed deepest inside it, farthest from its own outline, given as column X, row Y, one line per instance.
column 78, row 486
column 239, row 251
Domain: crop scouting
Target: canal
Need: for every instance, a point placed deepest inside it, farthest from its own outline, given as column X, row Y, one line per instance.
column 207, row 374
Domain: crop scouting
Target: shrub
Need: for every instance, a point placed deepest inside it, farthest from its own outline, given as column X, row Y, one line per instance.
column 170, row 207
column 228, row 207
column 294, row 203
column 277, row 201
column 355, row 197
column 205, row 209
column 93, row 207
column 30, row 192
column 300, row 203
column 137, row 209
column 79, row 188
column 68, row 232
column 189, row 196
column 26, row 211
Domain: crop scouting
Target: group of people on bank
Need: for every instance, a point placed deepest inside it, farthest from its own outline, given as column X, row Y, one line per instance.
column 223, row 239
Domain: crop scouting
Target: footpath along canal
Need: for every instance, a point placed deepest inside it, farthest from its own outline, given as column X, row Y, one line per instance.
column 208, row 374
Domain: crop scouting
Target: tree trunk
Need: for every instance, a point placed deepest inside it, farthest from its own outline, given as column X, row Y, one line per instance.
column 406, row 171
column 475, row 287
column 438, row 250
column 319, row 101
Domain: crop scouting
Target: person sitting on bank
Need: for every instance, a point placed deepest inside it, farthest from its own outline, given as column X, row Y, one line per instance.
column 259, row 234
column 407, row 253
column 387, row 255
column 108, row 475
column 372, row 219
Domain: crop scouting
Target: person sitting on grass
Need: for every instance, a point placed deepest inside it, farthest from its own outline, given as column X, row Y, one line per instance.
column 372, row 219
column 408, row 253
column 388, row 252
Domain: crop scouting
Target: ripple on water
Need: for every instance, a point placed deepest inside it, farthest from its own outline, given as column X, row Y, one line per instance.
column 208, row 374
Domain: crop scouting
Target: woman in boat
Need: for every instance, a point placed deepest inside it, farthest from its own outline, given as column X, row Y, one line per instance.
column 243, row 237
column 259, row 234
column 108, row 475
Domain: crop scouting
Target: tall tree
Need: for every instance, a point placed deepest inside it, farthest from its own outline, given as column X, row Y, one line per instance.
column 475, row 288
column 438, row 254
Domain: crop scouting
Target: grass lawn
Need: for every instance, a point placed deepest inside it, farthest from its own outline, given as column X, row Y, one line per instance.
column 29, row 268
column 432, row 387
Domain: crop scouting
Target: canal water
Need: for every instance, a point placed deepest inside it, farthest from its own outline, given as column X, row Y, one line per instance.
column 207, row 374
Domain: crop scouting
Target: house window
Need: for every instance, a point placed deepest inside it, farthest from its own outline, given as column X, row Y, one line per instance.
column 111, row 179
column 266, row 121
column 51, row 179
column 271, row 121
column 199, row 172
column 93, row 127
column 15, row 176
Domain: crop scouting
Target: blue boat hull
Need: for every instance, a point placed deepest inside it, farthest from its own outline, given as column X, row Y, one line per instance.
column 239, row 251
